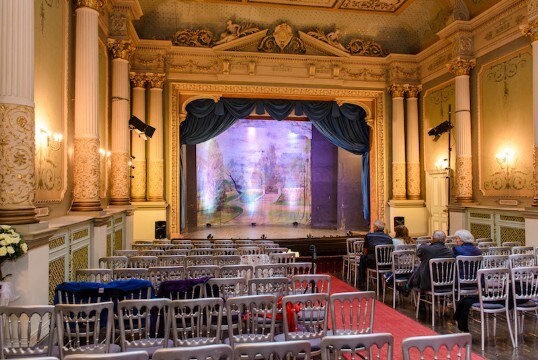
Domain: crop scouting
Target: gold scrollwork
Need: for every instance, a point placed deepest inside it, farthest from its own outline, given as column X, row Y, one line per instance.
column 461, row 66
column 282, row 40
column 121, row 49
column 193, row 38
column 92, row 4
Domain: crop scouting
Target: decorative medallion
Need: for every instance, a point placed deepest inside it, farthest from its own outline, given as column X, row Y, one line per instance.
column 282, row 40
column 205, row 38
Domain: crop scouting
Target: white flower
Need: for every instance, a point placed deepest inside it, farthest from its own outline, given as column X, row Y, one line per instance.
column 3, row 236
column 3, row 251
column 24, row 248
column 3, row 242
column 10, row 250
column 8, row 240
column 15, row 239
column 5, row 227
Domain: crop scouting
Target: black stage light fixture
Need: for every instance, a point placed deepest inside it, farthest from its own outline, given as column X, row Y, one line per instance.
column 144, row 130
column 440, row 129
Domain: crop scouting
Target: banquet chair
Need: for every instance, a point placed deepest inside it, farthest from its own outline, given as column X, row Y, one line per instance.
column 141, row 246
column 133, row 355
column 225, row 251
column 499, row 250
column 225, row 242
column 301, row 268
column 281, row 350
column 201, row 251
column 185, row 248
column 144, row 324
column 249, row 250
column 511, row 244
column 466, row 272
column 494, row 261
column 347, row 258
column 521, row 260
column 84, row 328
column 305, row 317
column 201, row 271
column 196, row 322
column 152, row 252
column 442, row 281
column 130, row 273
column 195, row 260
column 127, row 253
column 383, row 265
column 523, row 250
column 485, row 239
column 221, row 260
column 352, row 313
column 181, row 242
column 311, row 283
column 244, row 271
column 403, row 265
column 243, row 242
column 226, row 287
column 270, row 270
column 202, row 244
column 175, row 251
column 485, row 245
column 26, row 330
column 365, row 346
column 281, row 258
column 406, row 247
column 493, row 289
column 355, row 261
column 278, row 286
column 171, row 260
column 94, row 275
column 158, row 274
column 255, row 318
column 112, row 262
column 276, row 250
column 439, row 344
column 524, row 294
column 142, row 261
column 210, row 352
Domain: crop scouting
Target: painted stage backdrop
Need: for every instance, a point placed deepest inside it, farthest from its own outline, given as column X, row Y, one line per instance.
column 258, row 171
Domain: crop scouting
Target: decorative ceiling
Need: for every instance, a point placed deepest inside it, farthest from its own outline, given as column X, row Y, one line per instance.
column 399, row 26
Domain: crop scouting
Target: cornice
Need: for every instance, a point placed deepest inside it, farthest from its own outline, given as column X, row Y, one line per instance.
column 131, row 6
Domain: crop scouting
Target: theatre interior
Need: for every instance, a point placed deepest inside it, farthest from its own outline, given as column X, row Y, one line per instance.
column 134, row 125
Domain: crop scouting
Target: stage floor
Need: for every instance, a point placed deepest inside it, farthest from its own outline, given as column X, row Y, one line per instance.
column 270, row 231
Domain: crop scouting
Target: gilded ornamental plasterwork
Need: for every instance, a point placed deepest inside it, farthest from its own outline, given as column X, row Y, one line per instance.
column 413, row 181
column 531, row 30
column 92, row 4
column 398, row 181
column 86, row 169
column 120, row 176
column 155, row 186
column 358, row 47
column 373, row 5
column 156, row 80
column 138, row 188
column 460, row 67
column 121, row 49
column 138, row 80
column 464, row 179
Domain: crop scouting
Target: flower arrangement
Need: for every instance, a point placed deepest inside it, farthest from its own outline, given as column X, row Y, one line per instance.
column 12, row 246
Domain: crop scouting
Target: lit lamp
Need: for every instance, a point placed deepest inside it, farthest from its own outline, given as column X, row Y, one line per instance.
column 507, row 159
column 144, row 130
column 51, row 140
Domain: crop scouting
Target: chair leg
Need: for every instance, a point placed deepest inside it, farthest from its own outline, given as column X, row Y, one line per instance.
column 517, row 332
column 418, row 304
column 433, row 310
column 508, row 322
column 482, row 328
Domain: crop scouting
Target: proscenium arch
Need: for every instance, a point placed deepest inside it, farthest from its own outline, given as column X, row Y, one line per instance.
column 180, row 94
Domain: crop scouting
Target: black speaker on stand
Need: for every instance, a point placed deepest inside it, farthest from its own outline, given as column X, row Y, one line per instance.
column 160, row 229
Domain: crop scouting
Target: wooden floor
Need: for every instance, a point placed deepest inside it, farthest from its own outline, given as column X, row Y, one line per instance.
column 499, row 347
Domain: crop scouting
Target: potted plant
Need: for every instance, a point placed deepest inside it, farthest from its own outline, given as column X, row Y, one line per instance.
column 12, row 246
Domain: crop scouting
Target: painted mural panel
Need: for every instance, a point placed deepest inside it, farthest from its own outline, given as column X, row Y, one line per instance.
column 50, row 93
column 258, row 171
column 506, row 139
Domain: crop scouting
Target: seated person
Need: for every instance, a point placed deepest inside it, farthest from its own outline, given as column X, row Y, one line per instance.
column 434, row 250
column 465, row 244
column 371, row 240
column 401, row 236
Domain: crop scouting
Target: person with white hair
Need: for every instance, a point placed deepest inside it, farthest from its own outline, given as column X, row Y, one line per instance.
column 435, row 250
column 465, row 244
column 371, row 240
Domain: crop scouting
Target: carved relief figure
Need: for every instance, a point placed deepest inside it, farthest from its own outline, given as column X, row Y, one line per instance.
column 231, row 33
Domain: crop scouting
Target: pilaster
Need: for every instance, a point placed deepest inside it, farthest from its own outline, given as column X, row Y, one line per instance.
column 398, row 142
column 155, row 190
column 412, row 143
column 138, row 145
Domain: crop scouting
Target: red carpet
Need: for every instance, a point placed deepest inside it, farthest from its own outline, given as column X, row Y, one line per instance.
column 387, row 319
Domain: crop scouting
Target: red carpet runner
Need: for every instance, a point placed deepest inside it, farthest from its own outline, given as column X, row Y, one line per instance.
column 387, row 319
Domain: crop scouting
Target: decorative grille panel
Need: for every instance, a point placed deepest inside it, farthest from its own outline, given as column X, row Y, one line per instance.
column 509, row 234
column 512, row 218
column 108, row 245
column 54, row 243
column 56, row 276
column 79, row 260
column 480, row 215
column 118, row 240
column 480, row 230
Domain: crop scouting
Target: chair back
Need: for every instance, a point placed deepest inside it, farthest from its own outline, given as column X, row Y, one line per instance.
column 352, row 313
column 196, row 322
column 144, row 323
column 195, row 260
column 358, row 246
column 94, row 275
column 171, row 260
column 225, row 251
column 84, row 328
column 442, row 274
column 131, row 355
column 255, row 318
column 467, row 267
column 349, row 245
column 249, row 250
column 221, row 260
column 523, row 250
column 26, row 330
column 176, row 251
column 201, row 251
column 459, row 343
column 151, row 252
column 270, row 270
column 127, row 253
column 311, row 283
column 210, row 352
column 493, row 285
column 365, row 346
column 244, row 271
column 158, row 274
column 521, row 260
column 243, row 242
column 201, row 271
column 383, row 257
column 301, row 268
column 412, row 247
column 130, row 273
column 525, row 284
column 308, row 318
column 142, row 261
column 403, row 262
column 499, row 250
column 226, row 242
column 277, row 286
column 494, row 261
column 112, row 262
column 281, row 258
column 279, row 350
column 226, row 287
column 485, row 244
column 511, row 244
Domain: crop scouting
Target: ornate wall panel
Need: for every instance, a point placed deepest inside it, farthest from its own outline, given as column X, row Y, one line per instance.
column 500, row 226
column 506, row 141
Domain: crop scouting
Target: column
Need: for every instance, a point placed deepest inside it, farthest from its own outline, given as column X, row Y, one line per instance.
column 138, row 145
column 155, row 153
column 464, row 160
column 398, row 142
column 17, row 123
column 532, row 32
column 412, row 142
column 86, row 136
column 120, row 158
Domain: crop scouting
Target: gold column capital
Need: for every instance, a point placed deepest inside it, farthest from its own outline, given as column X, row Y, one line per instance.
column 138, row 80
column 121, row 49
column 156, row 80
column 92, row 4
column 531, row 30
column 397, row 90
column 412, row 91
column 460, row 66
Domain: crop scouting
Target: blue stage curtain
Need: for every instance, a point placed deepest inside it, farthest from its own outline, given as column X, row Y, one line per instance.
column 344, row 126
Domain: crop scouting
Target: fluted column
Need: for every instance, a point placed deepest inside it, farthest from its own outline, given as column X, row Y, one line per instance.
column 86, row 139
column 464, row 160
column 532, row 32
column 155, row 153
column 120, row 158
column 138, row 145
column 398, row 142
column 412, row 143
column 17, row 123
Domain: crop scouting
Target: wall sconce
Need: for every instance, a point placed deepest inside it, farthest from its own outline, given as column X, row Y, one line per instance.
column 104, row 153
column 507, row 160
column 144, row 130
column 53, row 141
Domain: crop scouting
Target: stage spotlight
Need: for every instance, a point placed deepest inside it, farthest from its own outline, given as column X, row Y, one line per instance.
column 143, row 129
column 440, row 129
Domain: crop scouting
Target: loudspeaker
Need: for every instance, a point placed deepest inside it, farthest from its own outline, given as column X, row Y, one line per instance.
column 399, row 220
column 160, row 229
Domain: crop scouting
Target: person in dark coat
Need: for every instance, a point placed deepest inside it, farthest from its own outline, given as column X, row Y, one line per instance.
column 435, row 250
column 371, row 240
